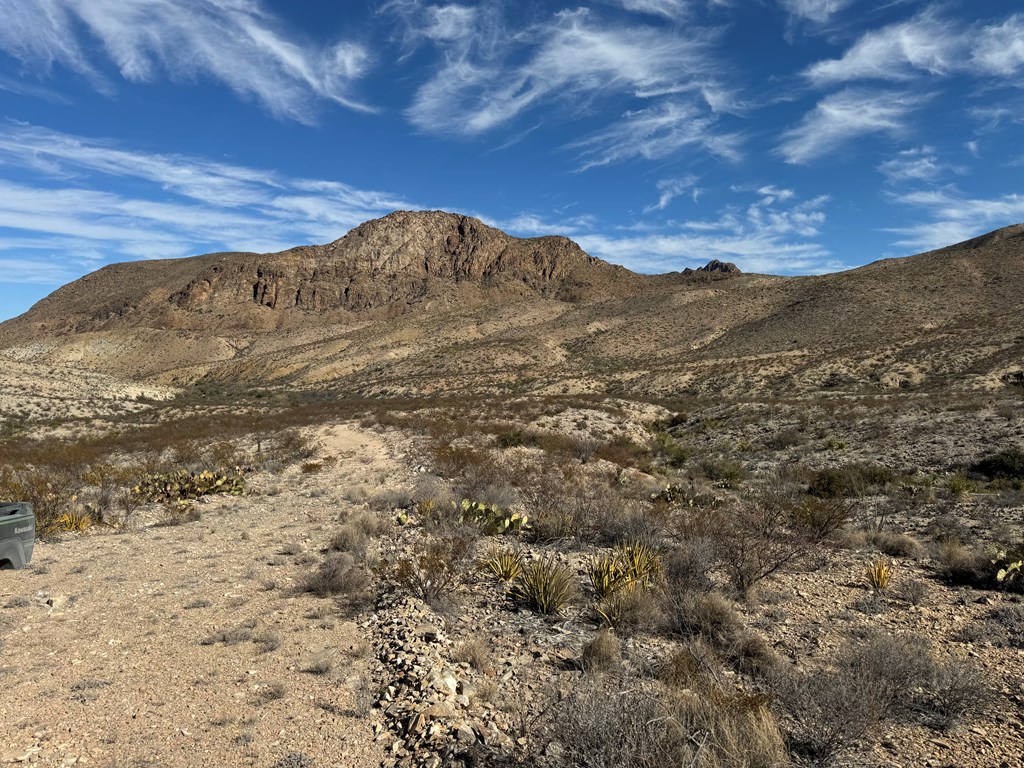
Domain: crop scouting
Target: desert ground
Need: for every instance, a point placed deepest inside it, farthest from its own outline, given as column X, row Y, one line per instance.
column 341, row 605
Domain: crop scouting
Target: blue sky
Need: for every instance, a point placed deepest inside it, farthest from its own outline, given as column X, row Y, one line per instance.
column 788, row 136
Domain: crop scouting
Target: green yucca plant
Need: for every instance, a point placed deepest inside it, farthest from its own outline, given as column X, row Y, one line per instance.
column 505, row 564
column 879, row 574
column 628, row 565
column 606, row 574
column 641, row 560
column 546, row 586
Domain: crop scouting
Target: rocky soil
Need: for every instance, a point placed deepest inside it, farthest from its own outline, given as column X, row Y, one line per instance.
column 193, row 644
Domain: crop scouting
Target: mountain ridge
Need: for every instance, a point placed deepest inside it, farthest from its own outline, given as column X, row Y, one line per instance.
column 444, row 302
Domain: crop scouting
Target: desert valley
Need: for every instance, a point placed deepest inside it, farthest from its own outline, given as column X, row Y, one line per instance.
column 433, row 495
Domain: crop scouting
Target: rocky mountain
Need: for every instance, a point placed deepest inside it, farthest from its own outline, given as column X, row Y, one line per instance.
column 432, row 302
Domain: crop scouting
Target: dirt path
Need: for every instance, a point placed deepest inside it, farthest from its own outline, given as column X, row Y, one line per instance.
column 190, row 645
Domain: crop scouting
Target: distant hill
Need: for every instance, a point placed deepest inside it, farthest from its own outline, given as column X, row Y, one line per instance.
column 433, row 302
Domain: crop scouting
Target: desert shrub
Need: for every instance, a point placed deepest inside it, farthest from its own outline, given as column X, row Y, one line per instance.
column 433, row 569
column 603, row 724
column 545, row 586
column 349, row 538
column 338, row 575
column 707, row 615
column 670, row 451
column 618, row 520
column 48, row 489
column 510, row 438
column 959, row 486
column 629, row 611
column 695, row 665
column 178, row 513
column 602, row 653
column 623, row 451
column 895, row 544
column 1004, row 465
column 232, row 636
column 947, row 527
column 818, row 519
column 849, row 481
column 725, row 471
column 960, row 565
column 311, row 467
column 750, row 653
column 783, row 439
column 687, row 566
column 827, row 711
column 1010, row 618
column 753, row 543
column 914, row 591
column 956, row 690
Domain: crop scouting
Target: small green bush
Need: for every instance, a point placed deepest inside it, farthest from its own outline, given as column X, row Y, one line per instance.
column 1005, row 465
column 849, row 481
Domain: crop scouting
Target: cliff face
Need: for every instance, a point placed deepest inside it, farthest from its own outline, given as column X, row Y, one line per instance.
column 400, row 258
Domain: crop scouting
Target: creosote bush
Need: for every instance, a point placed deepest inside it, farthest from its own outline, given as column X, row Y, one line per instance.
column 433, row 569
column 826, row 711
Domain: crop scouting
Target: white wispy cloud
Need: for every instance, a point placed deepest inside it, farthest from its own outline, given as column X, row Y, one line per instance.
column 817, row 11
column 573, row 57
column 670, row 189
column 844, row 116
column 490, row 75
column 656, row 133
column 928, row 44
column 235, row 42
column 767, row 237
column 953, row 217
column 179, row 204
column 917, row 164
column 670, row 9
column 999, row 48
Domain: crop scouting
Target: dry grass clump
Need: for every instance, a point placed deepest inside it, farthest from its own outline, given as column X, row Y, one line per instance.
column 602, row 653
column 475, row 651
column 605, row 724
column 339, row 576
column 895, row 544
column 630, row 611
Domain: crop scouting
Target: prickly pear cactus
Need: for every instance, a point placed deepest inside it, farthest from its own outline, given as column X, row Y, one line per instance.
column 491, row 520
column 174, row 486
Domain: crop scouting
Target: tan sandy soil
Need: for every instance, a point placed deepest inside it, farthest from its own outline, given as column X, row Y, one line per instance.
column 104, row 660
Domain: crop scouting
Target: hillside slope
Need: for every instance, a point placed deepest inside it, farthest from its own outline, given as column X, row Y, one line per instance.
column 439, row 303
